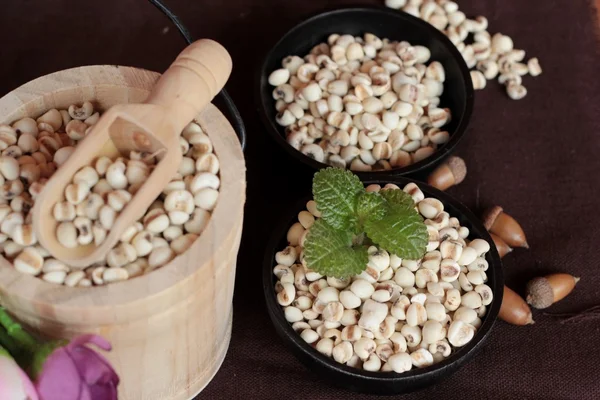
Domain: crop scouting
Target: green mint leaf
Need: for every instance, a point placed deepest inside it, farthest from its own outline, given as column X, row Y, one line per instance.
column 370, row 205
column 401, row 231
column 335, row 191
column 329, row 251
column 397, row 198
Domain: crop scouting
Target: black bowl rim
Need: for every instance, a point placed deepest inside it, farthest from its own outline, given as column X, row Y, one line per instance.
column 453, row 362
column 424, row 164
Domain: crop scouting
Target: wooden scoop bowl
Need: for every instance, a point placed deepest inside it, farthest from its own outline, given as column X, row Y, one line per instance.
column 190, row 83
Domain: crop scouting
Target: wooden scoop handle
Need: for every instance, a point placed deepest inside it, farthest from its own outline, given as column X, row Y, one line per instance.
column 192, row 81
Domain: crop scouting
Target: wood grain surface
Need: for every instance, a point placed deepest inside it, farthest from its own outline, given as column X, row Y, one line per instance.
column 159, row 350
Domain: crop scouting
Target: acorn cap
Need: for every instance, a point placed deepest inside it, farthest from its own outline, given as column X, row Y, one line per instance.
column 539, row 293
column 489, row 216
column 458, row 167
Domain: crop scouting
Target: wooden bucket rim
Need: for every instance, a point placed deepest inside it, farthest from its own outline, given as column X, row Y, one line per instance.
column 139, row 291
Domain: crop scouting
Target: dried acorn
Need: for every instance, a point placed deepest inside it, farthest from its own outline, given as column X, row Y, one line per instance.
column 514, row 310
column 504, row 226
column 544, row 291
column 450, row 173
column 501, row 246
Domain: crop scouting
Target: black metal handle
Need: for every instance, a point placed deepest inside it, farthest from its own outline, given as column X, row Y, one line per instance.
column 233, row 113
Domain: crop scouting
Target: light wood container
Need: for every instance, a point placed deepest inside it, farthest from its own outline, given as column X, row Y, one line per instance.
column 169, row 329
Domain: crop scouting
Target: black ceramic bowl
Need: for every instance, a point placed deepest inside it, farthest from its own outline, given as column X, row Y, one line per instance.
column 385, row 23
column 387, row 383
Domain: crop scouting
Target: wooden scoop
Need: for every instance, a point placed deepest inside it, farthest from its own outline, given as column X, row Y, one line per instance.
column 190, row 83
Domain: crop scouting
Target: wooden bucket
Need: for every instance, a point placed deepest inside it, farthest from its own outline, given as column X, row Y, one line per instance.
column 169, row 329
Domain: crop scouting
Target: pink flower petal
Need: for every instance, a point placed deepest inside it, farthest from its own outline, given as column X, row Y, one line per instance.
column 103, row 392
column 28, row 386
column 59, row 379
column 89, row 374
column 94, row 339
column 14, row 384
column 93, row 368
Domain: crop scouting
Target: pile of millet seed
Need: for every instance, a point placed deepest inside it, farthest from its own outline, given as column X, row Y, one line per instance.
column 490, row 56
column 32, row 150
column 364, row 103
column 397, row 314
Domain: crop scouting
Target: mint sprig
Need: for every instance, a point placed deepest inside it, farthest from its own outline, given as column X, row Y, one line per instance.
column 370, row 206
column 330, row 252
column 335, row 191
column 401, row 232
column 397, row 199
column 349, row 215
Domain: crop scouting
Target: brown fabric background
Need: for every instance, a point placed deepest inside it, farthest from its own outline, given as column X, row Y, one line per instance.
column 539, row 158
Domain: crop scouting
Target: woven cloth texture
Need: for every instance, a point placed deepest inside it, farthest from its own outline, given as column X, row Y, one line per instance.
column 539, row 158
